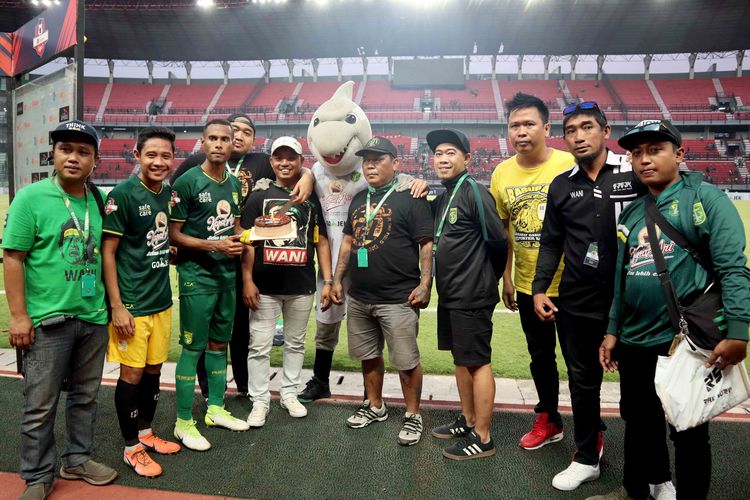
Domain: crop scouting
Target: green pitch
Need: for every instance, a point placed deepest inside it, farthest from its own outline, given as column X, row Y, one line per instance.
column 509, row 355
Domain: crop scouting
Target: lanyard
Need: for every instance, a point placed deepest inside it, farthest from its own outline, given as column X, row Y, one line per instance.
column 370, row 216
column 82, row 232
column 236, row 168
column 447, row 207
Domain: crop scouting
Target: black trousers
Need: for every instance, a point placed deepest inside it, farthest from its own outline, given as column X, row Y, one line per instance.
column 238, row 346
column 580, row 338
column 646, row 453
column 541, row 341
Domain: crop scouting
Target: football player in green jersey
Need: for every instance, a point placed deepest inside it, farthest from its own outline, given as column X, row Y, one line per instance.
column 136, row 273
column 205, row 226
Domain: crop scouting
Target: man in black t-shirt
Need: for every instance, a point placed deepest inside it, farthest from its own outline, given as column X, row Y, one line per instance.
column 279, row 278
column 387, row 239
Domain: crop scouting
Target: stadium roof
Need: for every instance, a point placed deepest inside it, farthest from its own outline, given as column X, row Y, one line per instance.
column 299, row 29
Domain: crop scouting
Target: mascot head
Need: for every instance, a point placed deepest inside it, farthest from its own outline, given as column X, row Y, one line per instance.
column 339, row 128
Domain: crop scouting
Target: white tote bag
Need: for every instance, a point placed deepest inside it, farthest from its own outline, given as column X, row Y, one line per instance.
column 692, row 394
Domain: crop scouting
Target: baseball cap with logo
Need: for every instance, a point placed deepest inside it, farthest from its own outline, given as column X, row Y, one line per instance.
column 651, row 130
column 76, row 130
column 288, row 142
column 379, row 145
column 448, row 136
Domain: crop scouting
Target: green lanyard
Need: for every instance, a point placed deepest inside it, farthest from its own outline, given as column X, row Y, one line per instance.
column 369, row 217
column 82, row 232
column 237, row 168
column 442, row 220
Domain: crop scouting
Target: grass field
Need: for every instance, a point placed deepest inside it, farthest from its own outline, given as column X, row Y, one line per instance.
column 509, row 355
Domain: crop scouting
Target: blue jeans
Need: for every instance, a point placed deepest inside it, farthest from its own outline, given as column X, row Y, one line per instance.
column 74, row 350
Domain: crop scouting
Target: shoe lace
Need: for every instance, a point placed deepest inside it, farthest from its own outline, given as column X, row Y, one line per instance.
column 366, row 411
column 539, row 427
column 412, row 424
column 191, row 428
column 141, row 457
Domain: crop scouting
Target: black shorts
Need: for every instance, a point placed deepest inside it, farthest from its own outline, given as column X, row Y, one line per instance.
column 467, row 333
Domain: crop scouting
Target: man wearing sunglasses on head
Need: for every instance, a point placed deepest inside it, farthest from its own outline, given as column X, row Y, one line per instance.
column 580, row 222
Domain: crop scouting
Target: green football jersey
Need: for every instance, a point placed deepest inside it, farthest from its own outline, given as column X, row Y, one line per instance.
column 140, row 217
column 208, row 209
column 57, row 255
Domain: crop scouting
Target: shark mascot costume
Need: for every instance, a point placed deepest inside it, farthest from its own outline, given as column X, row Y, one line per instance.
column 338, row 129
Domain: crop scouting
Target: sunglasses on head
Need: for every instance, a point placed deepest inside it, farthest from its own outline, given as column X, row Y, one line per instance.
column 649, row 127
column 585, row 106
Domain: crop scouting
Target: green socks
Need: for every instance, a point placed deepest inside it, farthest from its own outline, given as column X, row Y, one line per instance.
column 216, row 369
column 185, row 382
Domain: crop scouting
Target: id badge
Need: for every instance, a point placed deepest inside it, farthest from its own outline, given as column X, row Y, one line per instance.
column 592, row 255
column 88, row 285
column 362, row 257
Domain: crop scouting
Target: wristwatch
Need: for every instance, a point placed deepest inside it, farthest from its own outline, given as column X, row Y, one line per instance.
column 327, row 282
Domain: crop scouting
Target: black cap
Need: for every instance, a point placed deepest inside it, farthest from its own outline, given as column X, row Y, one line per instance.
column 241, row 116
column 651, row 129
column 378, row 145
column 76, row 129
column 449, row 136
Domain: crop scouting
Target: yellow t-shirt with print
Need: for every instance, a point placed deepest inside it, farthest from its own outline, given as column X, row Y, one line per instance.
column 521, row 197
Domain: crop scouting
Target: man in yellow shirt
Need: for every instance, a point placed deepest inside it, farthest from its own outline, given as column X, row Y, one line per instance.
column 520, row 185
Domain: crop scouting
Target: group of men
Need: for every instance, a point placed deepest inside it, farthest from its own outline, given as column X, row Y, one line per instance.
column 562, row 267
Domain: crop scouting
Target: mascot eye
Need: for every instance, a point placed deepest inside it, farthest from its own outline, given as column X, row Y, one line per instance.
column 351, row 119
column 315, row 122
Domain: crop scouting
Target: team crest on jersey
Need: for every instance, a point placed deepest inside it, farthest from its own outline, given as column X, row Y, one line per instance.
column 235, row 197
column 223, row 221
column 174, row 199
column 699, row 215
column 158, row 237
column 356, row 175
column 188, row 337
column 122, row 345
column 453, row 215
column 110, row 206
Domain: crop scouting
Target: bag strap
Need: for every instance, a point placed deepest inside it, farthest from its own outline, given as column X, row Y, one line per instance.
column 670, row 294
column 97, row 197
column 480, row 207
column 676, row 236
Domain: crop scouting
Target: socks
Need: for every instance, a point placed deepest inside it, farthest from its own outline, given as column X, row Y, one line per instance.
column 322, row 367
column 148, row 397
column 216, row 369
column 185, row 382
column 126, row 404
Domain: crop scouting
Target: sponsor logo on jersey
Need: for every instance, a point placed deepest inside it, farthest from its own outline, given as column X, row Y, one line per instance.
column 144, row 210
column 158, row 237
column 576, row 194
column 622, row 186
column 223, row 221
column 204, row 197
column 453, row 215
column 110, row 206
column 643, row 256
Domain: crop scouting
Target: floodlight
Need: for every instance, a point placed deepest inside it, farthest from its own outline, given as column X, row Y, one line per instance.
column 205, row 3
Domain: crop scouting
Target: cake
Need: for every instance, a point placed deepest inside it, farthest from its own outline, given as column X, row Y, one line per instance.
column 271, row 227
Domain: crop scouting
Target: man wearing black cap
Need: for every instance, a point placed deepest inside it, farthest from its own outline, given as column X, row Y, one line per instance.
column 58, row 313
column 639, row 321
column 470, row 251
column 580, row 222
column 387, row 251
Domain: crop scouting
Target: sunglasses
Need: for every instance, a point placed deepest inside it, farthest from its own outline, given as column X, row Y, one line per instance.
column 650, row 127
column 582, row 106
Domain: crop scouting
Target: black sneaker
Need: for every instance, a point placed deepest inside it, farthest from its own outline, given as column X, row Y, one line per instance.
column 315, row 389
column 469, row 448
column 457, row 428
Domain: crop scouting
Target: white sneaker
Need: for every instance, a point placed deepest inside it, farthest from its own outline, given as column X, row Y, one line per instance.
column 576, row 473
column 663, row 491
column 217, row 416
column 257, row 417
column 411, row 431
column 294, row 407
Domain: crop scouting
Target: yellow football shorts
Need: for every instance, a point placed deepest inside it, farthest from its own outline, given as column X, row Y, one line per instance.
column 149, row 345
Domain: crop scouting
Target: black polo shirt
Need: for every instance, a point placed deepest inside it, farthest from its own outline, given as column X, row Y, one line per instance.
column 580, row 223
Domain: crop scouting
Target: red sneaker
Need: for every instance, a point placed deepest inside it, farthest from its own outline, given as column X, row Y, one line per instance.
column 161, row 446
column 542, row 432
